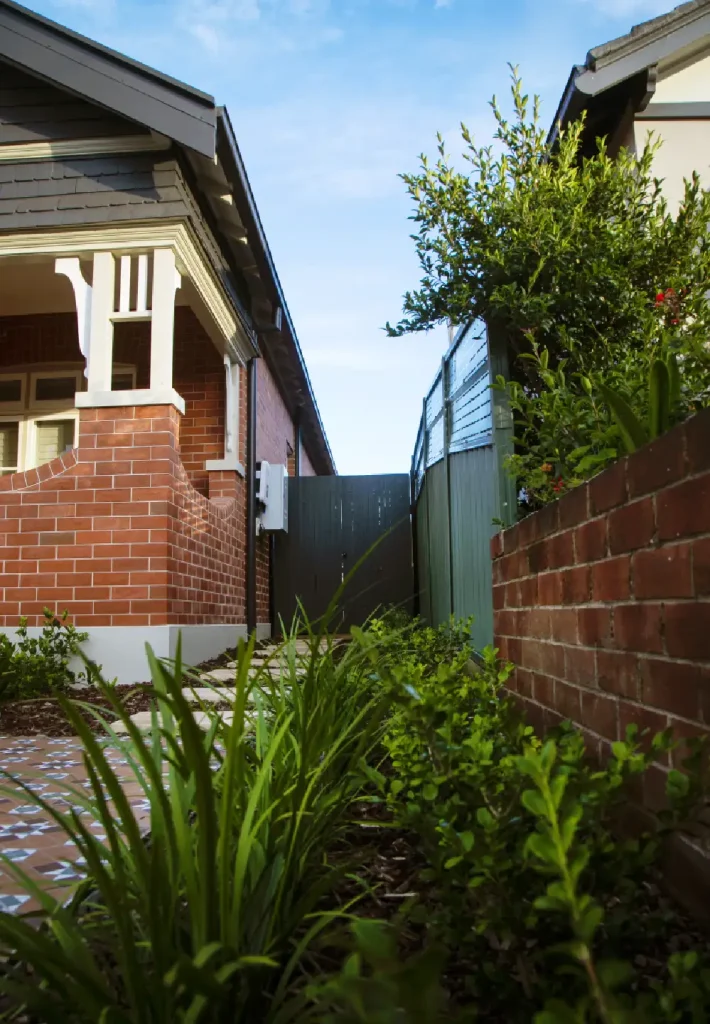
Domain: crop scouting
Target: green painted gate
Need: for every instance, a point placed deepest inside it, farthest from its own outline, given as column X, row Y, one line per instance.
column 333, row 522
column 459, row 485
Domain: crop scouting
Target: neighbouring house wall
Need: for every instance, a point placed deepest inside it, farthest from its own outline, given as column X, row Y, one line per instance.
column 602, row 599
column 685, row 143
column 689, row 84
column 685, row 147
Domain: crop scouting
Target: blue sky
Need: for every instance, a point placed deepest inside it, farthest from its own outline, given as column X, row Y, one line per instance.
column 330, row 99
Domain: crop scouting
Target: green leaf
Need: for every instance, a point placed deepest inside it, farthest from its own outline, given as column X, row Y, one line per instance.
column 534, row 802
column 673, row 380
column 632, row 431
column 614, row 973
column 430, row 791
column 658, row 399
column 467, row 840
column 484, row 817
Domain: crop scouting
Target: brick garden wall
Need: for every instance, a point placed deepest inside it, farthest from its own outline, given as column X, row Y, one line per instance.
column 602, row 599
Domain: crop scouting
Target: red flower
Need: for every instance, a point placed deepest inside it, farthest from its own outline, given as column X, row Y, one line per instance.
column 558, row 485
column 660, row 298
column 669, row 292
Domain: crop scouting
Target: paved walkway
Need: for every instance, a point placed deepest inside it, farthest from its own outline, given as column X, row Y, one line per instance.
column 31, row 838
column 28, row 835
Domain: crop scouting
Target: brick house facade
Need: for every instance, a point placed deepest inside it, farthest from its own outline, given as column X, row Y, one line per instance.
column 147, row 359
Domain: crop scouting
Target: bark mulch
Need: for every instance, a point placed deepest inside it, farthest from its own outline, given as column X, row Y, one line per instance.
column 44, row 715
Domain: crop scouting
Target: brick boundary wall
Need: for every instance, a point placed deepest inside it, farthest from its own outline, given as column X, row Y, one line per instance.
column 602, row 599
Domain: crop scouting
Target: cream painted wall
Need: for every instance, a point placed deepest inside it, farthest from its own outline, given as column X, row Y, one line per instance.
column 688, row 85
column 685, row 148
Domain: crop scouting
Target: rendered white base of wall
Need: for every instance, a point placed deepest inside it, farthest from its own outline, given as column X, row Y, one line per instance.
column 121, row 650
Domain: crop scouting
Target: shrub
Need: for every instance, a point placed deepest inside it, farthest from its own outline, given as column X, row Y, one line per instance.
column 582, row 273
column 457, row 776
column 39, row 666
column 207, row 917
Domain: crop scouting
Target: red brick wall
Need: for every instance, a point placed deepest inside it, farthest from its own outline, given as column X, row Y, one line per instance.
column 116, row 533
column 274, row 430
column 198, row 372
column 132, row 529
column 306, row 466
column 602, row 599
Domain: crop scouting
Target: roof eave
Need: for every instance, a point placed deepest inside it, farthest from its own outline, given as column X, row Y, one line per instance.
column 230, row 157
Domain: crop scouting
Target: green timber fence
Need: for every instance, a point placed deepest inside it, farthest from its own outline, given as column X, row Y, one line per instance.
column 459, row 486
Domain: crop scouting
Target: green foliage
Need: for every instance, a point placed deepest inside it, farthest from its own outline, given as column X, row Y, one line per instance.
column 559, row 853
column 207, row 918
column 374, row 986
column 39, row 666
column 563, row 257
column 663, row 398
column 460, row 759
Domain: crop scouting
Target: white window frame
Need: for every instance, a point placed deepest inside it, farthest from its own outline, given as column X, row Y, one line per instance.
column 28, row 412
column 43, row 403
column 31, row 461
column 21, row 443
column 21, row 375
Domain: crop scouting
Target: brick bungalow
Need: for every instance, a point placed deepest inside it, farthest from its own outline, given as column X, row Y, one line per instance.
column 147, row 357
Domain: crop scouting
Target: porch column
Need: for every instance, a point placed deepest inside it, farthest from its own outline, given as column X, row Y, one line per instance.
column 231, row 422
column 97, row 314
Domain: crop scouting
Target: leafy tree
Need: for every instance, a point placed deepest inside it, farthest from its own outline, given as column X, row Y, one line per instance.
column 579, row 267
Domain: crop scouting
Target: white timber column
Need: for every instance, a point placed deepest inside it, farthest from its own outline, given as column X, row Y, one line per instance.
column 231, row 421
column 100, row 323
column 166, row 281
column 97, row 314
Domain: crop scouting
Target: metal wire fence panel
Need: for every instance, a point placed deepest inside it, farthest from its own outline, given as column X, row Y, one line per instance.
column 471, row 414
column 468, row 355
column 436, row 442
column 434, row 401
column 455, row 488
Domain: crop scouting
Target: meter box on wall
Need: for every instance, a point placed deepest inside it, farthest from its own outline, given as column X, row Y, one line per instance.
column 273, row 496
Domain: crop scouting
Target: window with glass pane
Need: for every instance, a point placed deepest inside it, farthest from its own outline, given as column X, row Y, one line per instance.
column 11, row 390
column 9, row 447
column 54, row 389
column 54, row 437
column 122, row 382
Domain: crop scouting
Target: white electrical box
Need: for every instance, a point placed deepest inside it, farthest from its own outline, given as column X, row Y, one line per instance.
column 273, row 495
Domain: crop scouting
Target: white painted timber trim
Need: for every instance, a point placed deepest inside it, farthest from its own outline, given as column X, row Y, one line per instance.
column 124, row 399
column 120, row 239
column 121, row 650
column 224, row 464
column 23, row 152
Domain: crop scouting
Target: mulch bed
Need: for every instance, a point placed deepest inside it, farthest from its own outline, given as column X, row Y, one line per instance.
column 44, row 715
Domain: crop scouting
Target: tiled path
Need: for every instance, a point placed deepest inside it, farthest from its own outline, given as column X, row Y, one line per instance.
column 27, row 834
column 34, row 840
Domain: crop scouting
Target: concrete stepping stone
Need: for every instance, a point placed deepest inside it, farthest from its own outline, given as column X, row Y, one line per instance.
column 142, row 719
column 206, row 694
column 219, row 675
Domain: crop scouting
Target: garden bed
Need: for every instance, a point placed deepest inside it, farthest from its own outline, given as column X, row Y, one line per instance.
column 44, row 715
